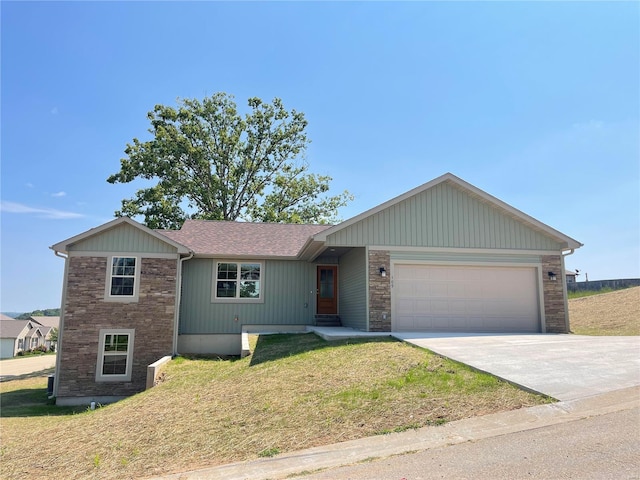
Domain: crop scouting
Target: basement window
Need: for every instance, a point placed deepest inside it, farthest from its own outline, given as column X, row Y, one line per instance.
column 115, row 352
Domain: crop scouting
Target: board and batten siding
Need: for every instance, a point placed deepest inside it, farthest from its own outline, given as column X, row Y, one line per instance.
column 123, row 238
column 289, row 298
column 352, row 281
column 443, row 216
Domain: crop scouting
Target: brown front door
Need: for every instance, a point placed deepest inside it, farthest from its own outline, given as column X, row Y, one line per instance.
column 327, row 291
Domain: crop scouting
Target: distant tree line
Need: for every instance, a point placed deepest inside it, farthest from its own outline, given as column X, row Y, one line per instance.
column 47, row 312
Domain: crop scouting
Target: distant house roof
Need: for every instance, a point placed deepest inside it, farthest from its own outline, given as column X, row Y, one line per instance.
column 51, row 322
column 34, row 330
column 243, row 239
column 12, row 328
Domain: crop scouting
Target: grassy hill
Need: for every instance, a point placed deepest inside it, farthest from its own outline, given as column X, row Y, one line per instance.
column 614, row 313
column 294, row 392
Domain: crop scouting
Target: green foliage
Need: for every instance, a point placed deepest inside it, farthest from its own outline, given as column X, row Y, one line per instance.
column 53, row 336
column 269, row 452
column 588, row 293
column 47, row 312
column 210, row 162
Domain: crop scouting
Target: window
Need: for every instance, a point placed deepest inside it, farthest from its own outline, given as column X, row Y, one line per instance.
column 237, row 281
column 123, row 277
column 115, row 351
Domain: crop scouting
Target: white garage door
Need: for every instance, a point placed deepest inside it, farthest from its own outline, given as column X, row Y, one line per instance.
column 465, row 299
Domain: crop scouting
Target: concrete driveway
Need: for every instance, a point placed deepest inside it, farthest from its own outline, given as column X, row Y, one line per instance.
column 565, row 367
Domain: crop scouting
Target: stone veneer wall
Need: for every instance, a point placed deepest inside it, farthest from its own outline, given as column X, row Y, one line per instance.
column 379, row 292
column 556, row 317
column 86, row 313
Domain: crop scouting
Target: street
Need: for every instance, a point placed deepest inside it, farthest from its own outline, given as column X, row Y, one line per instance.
column 599, row 447
column 14, row 367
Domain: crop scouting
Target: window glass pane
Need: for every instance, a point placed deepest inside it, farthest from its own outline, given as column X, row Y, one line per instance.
column 121, row 343
column 249, row 289
column 326, row 283
column 326, row 290
column 226, row 289
column 227, row 271
column 122, row 286
column 114, row 365
column 250, row 271
column 123, row 266
column 108, row 343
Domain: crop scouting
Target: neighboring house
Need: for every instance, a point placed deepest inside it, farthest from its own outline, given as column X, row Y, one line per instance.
column 48, row 324
column 444, row 257
column 571, row 276
column 18, row 335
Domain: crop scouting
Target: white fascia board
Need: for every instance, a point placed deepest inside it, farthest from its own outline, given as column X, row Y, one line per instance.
column 62, row 246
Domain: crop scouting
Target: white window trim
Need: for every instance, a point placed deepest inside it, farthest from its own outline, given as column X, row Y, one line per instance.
column 136, row 282
column 214, row 282
column 99, row 364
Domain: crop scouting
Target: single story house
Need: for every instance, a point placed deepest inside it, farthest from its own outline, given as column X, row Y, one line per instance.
column 48, row 323
column 445, row 256
column 18, row 336
column 571, row 276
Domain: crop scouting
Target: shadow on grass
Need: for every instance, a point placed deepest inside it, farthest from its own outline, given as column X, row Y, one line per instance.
column 278, row 346
column 39, row 373
column 32, row 402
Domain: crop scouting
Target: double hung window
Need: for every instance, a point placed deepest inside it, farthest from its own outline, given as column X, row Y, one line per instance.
column 122, row 279
column 114, row 355
column 238, row 281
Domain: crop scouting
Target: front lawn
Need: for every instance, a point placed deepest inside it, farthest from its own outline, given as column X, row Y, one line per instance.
column 294, row 392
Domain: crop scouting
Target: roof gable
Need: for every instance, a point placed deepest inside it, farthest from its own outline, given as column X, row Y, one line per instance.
column 244, row 239
column 121, row 234
column 447, row 212
column 47, row 321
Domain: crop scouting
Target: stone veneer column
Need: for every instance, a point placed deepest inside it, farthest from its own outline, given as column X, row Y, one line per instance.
column 556, row 316
column 86, row 312
column 379, row 292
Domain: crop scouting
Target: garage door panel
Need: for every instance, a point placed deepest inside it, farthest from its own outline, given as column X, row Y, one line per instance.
column 465, row 298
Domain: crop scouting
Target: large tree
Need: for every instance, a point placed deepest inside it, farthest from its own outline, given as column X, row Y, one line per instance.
column 211, row 162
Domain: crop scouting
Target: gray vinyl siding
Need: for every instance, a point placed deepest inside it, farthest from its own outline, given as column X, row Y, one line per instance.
column 353, row 289
column 463, row 258
column 123, row 238
column 289, row 298
column 443, row 216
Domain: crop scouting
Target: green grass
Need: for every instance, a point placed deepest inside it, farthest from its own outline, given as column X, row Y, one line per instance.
column 588, row 293
column 293, row 392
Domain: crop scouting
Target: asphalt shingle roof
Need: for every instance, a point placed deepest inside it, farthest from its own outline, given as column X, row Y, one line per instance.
column 48, row 321
column 12, row 328
column 209, row 237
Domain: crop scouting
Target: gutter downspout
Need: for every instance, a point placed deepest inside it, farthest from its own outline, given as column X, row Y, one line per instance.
column 63, row 301
column 564, row 290
column 176, row 320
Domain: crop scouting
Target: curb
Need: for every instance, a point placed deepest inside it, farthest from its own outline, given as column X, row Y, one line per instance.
column 471, row 429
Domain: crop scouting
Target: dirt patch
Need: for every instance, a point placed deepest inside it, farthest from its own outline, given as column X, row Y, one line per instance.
column 614, row 313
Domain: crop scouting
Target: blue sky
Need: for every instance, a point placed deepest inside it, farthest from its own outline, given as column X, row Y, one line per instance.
column 535, row 103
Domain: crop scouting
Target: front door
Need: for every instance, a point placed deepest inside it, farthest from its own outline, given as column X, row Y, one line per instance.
column 327, row 291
